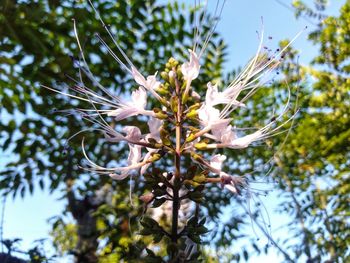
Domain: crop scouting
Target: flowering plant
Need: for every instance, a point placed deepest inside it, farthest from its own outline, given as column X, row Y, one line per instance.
column 182, row 128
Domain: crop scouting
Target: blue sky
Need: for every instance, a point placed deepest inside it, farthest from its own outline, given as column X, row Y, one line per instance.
column 241, row 19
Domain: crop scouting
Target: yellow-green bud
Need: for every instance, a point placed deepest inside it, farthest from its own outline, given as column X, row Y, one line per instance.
column 184, row 98
column 162, row 90
column 154, row 157
column 179, row 73
column 173, row 62
column 172, row 76
column 195, row 106
column 161, row 115
column 163, row 133
column 173, row 104
column 192, row 114
column 164, row 75
column 196, row 156
column 166, row 141
column 190, row 137
column 201, row 145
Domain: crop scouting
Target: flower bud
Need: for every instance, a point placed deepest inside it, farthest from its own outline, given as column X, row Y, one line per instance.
column 172, row 77
column 191, row 137
column 173, row 62
column 201, row 145
column 192, row 114
column 174, row 104
column 162, row 90
column 164, row 75
column 184, row 98
column 196, row 157
column 154, row 157
column 179, row 73
column 160, row 114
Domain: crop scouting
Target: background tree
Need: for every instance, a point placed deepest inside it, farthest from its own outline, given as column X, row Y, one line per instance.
column 313, row 167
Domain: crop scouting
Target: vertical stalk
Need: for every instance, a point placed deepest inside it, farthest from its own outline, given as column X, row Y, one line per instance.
column 177, row 163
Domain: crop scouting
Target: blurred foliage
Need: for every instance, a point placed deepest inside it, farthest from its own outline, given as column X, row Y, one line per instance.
column 313, row 168
column 36, row 254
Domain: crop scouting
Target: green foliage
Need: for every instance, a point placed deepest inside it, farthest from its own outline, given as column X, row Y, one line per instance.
column 313, row 168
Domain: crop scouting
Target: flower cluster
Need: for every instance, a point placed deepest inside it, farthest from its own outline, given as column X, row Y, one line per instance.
column 182, row 126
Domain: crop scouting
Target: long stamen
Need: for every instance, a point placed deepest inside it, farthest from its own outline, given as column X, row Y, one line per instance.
column 111, row 35
column 87, row 71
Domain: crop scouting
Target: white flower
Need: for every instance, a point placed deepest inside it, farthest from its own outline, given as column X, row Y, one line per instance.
column 210, row 119
column 132, row 108
column 214, row 97
column 154, row 126
column 134, row 154
column 224, row 135
column 216, row 162
column 190, row 70
column 133, row 133
column 133, row 163
column 113, row 136
column 118, row 173
column 245, row 141
column 150, row 84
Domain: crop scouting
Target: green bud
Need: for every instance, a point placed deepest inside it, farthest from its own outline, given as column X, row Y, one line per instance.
column 172, row 76
column 158, row 202
column 194, row 106
column 161, row 115
column 163, row 133
column 200, row 178
column 192, row 114
column 190, row 137
column 162, row 90
column 173, row 62
column 166, row 141
column 184, row 98
column 164, row 75
column 179, row 73
column 191, row 183
column 201, row 145
column 149, row 222
column 154, row 157
column 173, row 103
column 152, row 140
column 146, row 232
column 191, row 172
column 195, row 238
column 158, row 237
column 195, row 196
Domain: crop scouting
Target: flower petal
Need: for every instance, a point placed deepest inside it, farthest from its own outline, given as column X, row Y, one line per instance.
column 245, row 141
column 190, row 70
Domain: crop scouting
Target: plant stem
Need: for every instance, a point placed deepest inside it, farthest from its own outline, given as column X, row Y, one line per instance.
column 176, row 202
column 177, row 163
